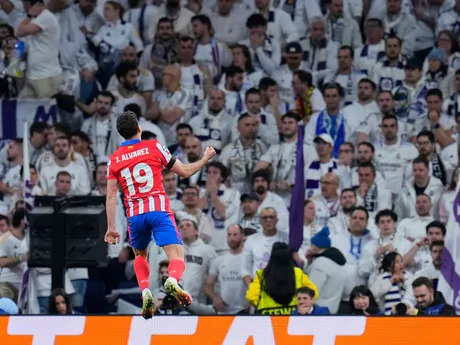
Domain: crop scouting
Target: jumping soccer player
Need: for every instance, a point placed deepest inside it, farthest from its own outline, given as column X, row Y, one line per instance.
column 137, row 166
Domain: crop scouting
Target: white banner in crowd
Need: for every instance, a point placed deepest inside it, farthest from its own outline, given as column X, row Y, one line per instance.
column 14, row 113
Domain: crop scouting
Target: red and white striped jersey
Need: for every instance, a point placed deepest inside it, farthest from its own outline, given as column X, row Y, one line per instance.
column 137, row 166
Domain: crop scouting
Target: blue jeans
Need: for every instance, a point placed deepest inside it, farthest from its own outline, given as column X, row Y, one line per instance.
column 43, row 304
column 77, row 299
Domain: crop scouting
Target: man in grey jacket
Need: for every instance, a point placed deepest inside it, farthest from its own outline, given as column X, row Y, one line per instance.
column 326, row 270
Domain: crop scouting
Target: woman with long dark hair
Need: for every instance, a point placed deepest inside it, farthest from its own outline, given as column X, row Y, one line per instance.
column 391, row 285
column 273, row 288
column 362, row 302
column 59, row 303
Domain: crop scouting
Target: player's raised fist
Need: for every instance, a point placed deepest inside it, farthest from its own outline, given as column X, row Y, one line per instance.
column 209, row 152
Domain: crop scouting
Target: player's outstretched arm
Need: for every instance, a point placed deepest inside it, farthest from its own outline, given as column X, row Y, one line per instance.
column 187, row 170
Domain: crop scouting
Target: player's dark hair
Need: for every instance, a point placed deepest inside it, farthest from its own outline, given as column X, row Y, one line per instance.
column 127, row 125
column 18, row 217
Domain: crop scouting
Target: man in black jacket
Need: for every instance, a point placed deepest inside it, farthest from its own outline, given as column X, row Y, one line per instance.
column 428, row 301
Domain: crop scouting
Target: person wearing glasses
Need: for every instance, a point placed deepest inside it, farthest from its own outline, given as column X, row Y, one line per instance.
column 258, row 247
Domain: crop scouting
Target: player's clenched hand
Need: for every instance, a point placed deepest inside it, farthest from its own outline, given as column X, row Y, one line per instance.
column 209, row 152
column 112, row 236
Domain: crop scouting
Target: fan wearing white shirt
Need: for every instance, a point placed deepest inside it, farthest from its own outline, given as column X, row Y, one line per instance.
column 127, row 92
column 341, row 221
column 374, row 48
column 141, row 15
column 173, row 106
column 63, row 162
column 14, row 251
column 280, row 25
column 371, row 129
column 242, row 58
column 372, row 196
column 234, row 96
column 81, row 143
column 241, row 155
column 195, row 76
column 145, row 81
column 388, row 73
column 266, row 126
column 112, row 38
column 41, row 27
column 281, row 158
column 258, row 247
column 419, row 257
column 413, row 229
column 346, row 74
column 362, row 109
column 265, row 51
column 227, row 21
column 213, row 125
column 198, row 260
column 101, row 127
column 284, row 74
column 226, row 270
column 12, row 183
column 319, row 51
column 208, row 52
column 340, row 27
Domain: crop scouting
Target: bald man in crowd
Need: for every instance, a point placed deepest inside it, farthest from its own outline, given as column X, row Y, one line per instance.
column 213, row 125
column 174, row 105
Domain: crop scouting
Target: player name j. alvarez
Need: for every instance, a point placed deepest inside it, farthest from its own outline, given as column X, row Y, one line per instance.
column 226, row 330
column 134, row 154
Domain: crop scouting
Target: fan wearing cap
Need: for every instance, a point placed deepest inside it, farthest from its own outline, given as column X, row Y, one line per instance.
column 326, row 270
column 241, row 156
column 250, row 204
column 280, row 158
column 331, row 120
column 436, row 71
column 283, row 75
column 325, row 164
column 320, row 51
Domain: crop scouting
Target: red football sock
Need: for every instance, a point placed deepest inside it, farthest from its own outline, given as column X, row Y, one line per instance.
column 176, row 268
column 142, row 269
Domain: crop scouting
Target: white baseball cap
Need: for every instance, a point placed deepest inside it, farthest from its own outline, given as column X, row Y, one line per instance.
column 324, row 137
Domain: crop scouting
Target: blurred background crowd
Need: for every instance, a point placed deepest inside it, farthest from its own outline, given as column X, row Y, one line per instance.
column 367, row 90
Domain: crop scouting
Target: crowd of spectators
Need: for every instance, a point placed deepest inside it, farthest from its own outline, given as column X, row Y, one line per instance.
column 375, row 83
